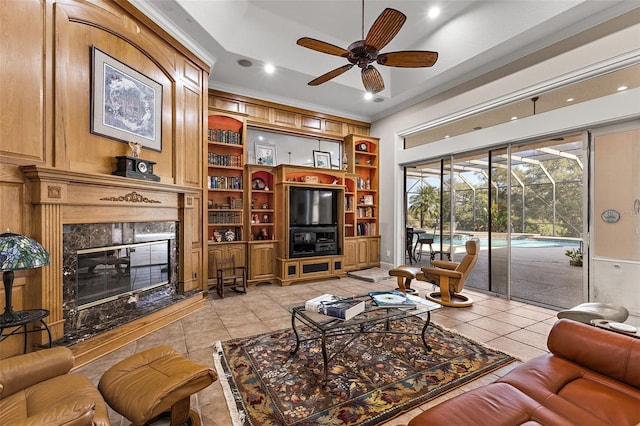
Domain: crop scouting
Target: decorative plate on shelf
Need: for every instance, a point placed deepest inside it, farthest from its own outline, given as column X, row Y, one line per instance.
column 258, row 184
column 229, row 235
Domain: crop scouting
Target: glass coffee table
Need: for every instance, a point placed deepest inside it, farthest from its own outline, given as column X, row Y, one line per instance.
column 373, row 320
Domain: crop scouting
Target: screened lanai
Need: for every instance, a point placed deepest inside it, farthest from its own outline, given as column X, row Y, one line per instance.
column 525, row 205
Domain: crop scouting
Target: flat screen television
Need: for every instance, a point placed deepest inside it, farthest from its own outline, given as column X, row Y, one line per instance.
column 313, row 206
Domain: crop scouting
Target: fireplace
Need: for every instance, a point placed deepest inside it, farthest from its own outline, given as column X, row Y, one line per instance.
column 114, row 273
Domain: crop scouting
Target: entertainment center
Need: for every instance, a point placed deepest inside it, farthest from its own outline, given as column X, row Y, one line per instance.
column 289, row 223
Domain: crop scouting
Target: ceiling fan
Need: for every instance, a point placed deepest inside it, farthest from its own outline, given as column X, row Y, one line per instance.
column 366, row 51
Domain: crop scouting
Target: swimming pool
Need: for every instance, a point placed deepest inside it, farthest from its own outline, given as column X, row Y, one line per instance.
column 539, row 242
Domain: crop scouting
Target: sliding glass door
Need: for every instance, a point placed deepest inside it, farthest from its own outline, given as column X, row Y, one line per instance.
column 524, row 204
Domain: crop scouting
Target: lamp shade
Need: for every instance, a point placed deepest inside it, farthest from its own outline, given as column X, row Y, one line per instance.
column 20, row 252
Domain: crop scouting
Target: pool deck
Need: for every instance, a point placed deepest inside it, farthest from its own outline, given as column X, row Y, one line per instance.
column 540, row 275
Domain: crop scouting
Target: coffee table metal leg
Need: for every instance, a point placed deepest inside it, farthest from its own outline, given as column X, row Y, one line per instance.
column 295, row 331
column 424, row 330
column 324, row 358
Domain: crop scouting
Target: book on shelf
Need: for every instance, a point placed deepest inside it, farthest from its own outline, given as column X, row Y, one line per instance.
column 392, row 299
column 343, row 309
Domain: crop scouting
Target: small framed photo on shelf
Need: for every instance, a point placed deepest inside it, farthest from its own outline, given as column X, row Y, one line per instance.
column 266, row 154
column 367, row 199
column 322, row 159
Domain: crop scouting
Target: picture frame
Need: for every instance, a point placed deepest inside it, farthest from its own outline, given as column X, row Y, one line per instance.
column 266, row 155
column 126, row 105
column 322, row 159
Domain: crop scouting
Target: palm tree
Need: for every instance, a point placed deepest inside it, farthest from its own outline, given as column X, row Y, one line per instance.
column 425, row 204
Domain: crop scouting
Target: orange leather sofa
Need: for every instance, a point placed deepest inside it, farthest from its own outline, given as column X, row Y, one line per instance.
column 590, row 377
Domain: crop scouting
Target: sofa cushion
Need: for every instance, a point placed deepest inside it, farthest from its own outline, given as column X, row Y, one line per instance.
column 496, row 404
column 609, row 353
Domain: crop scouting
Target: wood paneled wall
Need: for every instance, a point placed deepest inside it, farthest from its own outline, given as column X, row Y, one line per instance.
column 284, row 118
column 45, row 76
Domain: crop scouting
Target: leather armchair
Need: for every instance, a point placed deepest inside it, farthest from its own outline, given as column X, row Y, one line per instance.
column 450, row 276
column 37, row 389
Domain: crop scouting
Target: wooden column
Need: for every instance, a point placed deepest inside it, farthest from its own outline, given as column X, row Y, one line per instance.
column 46, row 289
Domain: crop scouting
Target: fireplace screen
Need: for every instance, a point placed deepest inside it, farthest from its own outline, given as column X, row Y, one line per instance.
column 105, row 273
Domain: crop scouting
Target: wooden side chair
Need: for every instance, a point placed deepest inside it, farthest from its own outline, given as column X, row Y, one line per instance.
column 230, row 275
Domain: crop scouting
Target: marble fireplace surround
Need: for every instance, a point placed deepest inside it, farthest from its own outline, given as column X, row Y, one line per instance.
column 82, row 202
column 82, row 323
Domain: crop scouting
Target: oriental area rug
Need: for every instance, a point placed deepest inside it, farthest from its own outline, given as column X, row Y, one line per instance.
column 377, row 377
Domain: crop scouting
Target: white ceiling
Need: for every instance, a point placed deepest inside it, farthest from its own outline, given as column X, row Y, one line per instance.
column 477, row 40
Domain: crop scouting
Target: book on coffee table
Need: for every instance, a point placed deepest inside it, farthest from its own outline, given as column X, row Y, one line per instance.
column 344, row 309
column 313, row 305
column 392, row 299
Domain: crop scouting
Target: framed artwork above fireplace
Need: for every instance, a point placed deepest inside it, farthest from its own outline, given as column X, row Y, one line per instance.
column 126, row 105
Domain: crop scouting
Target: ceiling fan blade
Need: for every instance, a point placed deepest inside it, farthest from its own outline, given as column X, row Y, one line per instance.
column 321, row 46
column 408, row 59
column 385, row 28
column 331, row 74
column 372, row 80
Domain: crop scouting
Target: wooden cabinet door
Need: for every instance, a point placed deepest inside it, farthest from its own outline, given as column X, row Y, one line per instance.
column 262, row 265
column 374, row 251
column 363, row 253
column 237, row 251
column 350, row 254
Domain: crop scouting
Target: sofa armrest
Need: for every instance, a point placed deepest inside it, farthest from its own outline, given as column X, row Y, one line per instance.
column 445, row 264
column 21, row 371
column 607, row 352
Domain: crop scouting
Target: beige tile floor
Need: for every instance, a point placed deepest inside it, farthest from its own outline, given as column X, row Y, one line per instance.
column 513, row 327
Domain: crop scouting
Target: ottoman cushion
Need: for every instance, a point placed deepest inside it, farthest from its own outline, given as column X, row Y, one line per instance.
column 148, row 383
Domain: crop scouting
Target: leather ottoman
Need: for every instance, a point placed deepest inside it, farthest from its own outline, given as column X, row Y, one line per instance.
column 152, row 382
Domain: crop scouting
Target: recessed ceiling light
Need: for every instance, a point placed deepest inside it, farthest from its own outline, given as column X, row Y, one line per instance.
column 368, row 95
column 245, row 63
column 569, row 99
column 621, row 88
column 447, row 136
column 514, row 118
column 434, row 12
column 269, row 68
column 378, row 100
column 477, row 128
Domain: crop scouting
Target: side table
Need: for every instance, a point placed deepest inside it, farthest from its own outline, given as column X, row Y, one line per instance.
column 19, row 325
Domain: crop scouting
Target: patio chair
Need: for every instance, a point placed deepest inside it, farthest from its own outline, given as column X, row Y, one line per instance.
column 450, row 276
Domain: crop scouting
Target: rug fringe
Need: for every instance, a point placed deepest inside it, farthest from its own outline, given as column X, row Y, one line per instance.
column 237, row 415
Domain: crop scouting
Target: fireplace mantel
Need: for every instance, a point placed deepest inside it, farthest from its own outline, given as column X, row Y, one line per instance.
column 61, row 197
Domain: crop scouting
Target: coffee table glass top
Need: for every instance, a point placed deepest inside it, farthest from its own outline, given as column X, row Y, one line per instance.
column 372, row 313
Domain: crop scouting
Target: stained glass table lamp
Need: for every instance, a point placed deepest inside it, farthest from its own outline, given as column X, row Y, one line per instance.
column 17, row 252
